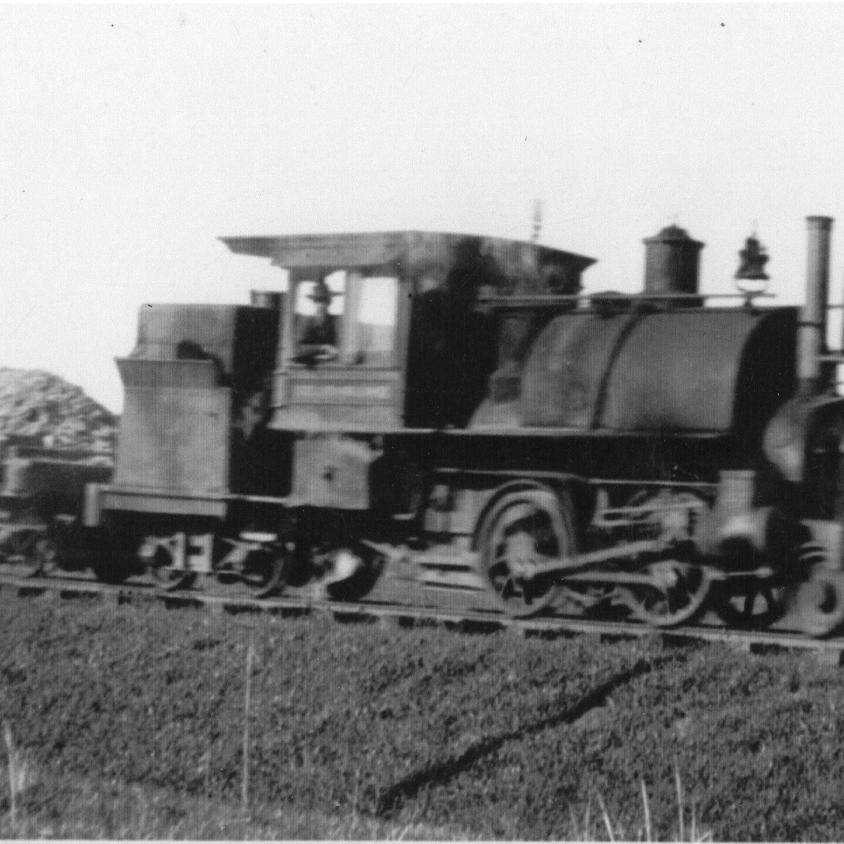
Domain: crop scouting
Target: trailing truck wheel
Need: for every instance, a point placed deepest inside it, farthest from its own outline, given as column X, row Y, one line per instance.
column 163, row 575
column 170, row 580
column 111, row 569
column 112, row 562
column 522, row 530
column 352, row 572
column 819, row 603
column 263, row 572
column 20, row 550
column 46, row 556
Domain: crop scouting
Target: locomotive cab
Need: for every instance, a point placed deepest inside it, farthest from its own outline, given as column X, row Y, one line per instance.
column 381, row 331
column 384, row 342
column 341, row 359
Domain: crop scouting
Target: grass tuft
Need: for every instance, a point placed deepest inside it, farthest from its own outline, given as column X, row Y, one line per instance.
column 615, row 829
column 20, row 774
column 647, row 809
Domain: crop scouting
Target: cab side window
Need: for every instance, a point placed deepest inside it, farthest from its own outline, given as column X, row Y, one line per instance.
column 346, row 317
column 318, row 318
column 374, row 321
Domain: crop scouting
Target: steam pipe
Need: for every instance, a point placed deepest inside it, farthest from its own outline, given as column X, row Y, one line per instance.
column 811, row 335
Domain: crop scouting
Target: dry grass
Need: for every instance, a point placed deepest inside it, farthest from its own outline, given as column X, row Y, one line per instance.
column 92, row 810
column 358, row 732
column 604, row 827
column 20, row 774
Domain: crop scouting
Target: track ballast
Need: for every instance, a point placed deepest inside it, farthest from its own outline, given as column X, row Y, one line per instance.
column 710, row 629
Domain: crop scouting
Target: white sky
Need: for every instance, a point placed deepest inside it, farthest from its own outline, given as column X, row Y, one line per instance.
column 131, row 137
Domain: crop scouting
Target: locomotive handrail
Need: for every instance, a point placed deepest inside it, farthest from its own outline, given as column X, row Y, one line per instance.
column 554, row 300
column 558, row 431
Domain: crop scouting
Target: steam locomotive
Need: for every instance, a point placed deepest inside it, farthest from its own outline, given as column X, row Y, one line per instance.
column 429, row 417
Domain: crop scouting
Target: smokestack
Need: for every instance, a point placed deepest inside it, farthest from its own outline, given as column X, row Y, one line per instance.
column 811, row 339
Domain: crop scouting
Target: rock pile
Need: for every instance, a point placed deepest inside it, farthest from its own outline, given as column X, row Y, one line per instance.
column 53, row 412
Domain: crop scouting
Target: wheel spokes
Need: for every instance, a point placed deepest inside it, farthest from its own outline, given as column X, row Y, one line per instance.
column 21, row 549
column 522, row 532
column 264, row 572
column 750, row 604
column 666, row 604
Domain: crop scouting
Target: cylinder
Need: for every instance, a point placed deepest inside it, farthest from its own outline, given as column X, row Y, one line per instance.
column 671, row 262
column 811, row 341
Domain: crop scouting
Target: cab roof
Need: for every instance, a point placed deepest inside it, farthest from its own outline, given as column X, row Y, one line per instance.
column 412, row 249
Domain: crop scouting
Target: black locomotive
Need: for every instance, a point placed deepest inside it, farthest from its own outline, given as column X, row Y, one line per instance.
column 427, row 417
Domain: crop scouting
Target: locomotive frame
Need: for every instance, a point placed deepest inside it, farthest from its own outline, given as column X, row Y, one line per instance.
column 496, row 432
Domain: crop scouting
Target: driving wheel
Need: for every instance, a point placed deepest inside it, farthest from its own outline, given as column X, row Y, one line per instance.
column 676, row 593
column 522, row 530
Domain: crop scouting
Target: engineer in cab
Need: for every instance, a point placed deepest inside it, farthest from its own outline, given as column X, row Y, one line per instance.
column 318, row 338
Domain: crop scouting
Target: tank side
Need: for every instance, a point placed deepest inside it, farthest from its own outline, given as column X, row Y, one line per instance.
column 564, row 372
column 696, row 370
column 686, row 370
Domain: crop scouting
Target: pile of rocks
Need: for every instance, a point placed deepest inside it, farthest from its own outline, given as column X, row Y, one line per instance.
column 53, row 412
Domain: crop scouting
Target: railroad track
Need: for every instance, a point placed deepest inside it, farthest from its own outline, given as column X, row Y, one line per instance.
column 829, row 650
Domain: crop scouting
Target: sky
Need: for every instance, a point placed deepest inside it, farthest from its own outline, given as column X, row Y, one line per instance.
column 132, row 138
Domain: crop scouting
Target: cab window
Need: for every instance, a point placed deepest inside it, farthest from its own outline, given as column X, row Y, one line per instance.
column 318, row 318
column 346, row 317
column 374, row 318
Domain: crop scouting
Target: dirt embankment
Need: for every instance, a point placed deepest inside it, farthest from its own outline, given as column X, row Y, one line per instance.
column 53, row 412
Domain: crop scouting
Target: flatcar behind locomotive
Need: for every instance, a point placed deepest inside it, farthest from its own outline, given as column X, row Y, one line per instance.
column 424, row 414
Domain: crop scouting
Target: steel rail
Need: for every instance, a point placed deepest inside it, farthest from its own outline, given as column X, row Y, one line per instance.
column 830, row 649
